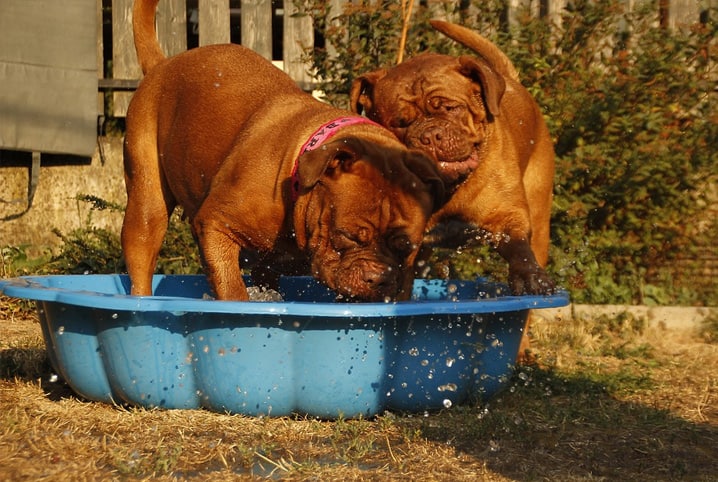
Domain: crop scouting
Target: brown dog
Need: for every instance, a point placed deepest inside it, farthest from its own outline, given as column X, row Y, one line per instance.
column 490, row 141
column 257, row 164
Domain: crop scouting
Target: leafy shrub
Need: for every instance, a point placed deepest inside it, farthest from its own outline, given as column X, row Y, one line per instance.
column 92, row 250
column 632, row 110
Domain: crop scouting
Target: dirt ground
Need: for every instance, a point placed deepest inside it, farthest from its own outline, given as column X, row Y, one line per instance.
column 608, row 401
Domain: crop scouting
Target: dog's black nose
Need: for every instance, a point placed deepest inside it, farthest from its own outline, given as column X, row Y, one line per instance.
column 430, row 136
column 380, row 279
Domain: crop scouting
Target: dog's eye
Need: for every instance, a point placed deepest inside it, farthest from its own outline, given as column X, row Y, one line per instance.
column 400, row 123
column 440, row 104
column 345, row 240
column 436, row 103
column 401, row 245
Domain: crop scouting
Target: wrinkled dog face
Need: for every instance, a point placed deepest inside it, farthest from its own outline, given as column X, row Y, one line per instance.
column 364, row 223
column 369, row 244
column 436, row 103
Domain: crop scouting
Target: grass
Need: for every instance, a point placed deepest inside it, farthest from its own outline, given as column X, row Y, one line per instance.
column 608, row 400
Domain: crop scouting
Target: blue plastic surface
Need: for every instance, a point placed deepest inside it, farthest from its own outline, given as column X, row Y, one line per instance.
column 455, row 341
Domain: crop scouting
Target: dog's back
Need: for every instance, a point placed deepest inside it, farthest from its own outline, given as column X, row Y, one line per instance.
column 191, row 110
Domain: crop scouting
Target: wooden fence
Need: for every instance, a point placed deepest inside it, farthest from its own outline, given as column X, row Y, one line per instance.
column 267, row 27
column 182, row 24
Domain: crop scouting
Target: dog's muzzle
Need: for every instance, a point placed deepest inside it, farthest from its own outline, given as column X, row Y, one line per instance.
column 453, row 149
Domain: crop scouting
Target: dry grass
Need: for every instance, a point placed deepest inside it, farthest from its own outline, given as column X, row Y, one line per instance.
column 609, row 402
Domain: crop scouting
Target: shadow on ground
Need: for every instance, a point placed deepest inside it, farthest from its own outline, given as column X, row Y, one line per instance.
column 559, row 428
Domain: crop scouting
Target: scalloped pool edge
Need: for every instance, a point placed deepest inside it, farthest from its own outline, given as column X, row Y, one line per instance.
column 309, row 355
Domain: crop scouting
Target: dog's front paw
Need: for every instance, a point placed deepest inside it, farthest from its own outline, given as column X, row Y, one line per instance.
column 530, row 280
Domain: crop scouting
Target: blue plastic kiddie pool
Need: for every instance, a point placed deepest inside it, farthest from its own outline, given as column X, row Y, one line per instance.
column 455, row 341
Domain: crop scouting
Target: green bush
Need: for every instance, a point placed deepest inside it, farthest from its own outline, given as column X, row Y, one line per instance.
column 92, row 250
column 632, row 111
column 631, row 107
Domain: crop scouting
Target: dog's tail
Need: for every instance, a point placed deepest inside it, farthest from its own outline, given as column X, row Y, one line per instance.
column 147, row 46
column 481, row 45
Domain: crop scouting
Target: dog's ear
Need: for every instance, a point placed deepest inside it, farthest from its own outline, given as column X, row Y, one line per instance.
column 493, row 85
column 334, row 155
column 361, row 97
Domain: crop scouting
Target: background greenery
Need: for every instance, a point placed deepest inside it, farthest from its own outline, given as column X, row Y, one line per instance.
column 631, row 107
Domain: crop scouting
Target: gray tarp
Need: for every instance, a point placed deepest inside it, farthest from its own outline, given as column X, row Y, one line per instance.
column 48, row 76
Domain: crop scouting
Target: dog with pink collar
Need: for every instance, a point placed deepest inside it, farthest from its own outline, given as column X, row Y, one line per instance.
column 258, row 165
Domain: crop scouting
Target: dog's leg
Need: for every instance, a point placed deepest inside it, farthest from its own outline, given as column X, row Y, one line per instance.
column 538, row 183
column 220, row 252
column 149, row 206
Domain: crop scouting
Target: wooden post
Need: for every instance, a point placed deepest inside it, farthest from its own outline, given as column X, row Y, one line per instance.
column 100, row 60
column 257, row 26
column 336, row 8
column 124, row 59
column 683, row 13
column 298, row 35
column 517, row 7
column 213, row 22
column 172, row 26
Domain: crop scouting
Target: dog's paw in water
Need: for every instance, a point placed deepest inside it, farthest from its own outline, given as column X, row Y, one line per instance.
column 257, row 293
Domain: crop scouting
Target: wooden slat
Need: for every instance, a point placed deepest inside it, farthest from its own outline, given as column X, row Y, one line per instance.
column 100, row 59
column 118, row 84
column 336, row 8
column 257, row 26
column 124, row 59
column 172, row 26
column 683, row 13
column 213, row 22
column 516, row 7
column 298, row 34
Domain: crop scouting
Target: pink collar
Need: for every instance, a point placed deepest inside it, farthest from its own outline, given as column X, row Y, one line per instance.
column 318, row 138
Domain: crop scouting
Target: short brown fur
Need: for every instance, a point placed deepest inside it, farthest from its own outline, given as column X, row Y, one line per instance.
column 217, row 129
column 489, row 139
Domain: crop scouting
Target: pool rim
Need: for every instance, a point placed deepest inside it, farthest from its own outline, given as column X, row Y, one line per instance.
column 31, row 287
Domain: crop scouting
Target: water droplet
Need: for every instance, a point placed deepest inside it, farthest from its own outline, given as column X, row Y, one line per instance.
column 449, row 387
column 447, row 403
column 61, row 330
column 53, row 378
column 450, row 361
